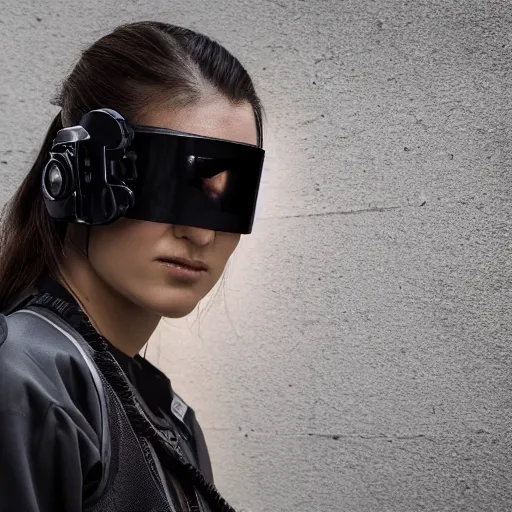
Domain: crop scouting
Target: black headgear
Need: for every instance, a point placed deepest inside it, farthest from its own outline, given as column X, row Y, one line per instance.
column 104, row 169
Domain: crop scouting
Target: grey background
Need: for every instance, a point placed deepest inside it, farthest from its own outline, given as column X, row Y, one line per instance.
column 358, row 356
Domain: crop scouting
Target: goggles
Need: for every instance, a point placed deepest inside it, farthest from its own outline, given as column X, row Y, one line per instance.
column 104, row 169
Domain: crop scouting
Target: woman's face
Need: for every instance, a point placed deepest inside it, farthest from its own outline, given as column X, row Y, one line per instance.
column 127, row 254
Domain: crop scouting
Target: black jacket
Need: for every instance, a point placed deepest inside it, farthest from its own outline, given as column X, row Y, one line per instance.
column 85, row 427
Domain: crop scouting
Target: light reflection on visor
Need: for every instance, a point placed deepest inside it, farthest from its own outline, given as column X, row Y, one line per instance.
column 215, row 187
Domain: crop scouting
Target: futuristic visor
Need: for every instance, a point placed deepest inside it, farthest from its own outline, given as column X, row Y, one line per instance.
column 104, row 169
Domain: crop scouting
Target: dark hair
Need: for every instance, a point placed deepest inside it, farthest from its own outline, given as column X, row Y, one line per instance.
column 136, row 68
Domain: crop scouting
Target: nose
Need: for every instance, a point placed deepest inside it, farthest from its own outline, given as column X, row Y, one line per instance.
column 198, row 236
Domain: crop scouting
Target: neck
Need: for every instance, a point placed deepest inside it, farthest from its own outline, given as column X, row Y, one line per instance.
column 124, row 324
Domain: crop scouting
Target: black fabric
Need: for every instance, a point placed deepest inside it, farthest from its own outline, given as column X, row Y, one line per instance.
column 50, row 451
column 153, row 386
column 123, row 478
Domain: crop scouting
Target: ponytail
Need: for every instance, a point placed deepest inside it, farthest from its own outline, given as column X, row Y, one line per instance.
column 30, row 240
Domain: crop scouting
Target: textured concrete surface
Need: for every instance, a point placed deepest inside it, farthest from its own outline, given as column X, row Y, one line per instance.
column 358, row 357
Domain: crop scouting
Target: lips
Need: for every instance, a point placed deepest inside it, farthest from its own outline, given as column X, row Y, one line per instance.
column 197, row 266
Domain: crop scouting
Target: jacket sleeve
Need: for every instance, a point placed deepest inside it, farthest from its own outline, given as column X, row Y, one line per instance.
column 46, row 462
column 50, row 420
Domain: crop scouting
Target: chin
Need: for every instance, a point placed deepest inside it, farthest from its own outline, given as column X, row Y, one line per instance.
column 172, row 307
column 173, row 312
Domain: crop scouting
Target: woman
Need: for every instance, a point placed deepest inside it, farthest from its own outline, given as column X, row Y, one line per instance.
column 146, row 180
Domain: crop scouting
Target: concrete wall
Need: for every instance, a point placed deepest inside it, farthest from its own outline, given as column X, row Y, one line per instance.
column 359, row 358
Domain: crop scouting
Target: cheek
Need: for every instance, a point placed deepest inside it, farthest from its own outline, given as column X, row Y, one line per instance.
column 121, row 248
column 225, row 246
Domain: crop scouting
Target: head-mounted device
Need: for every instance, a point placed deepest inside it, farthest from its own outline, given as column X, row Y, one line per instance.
column 104, row 169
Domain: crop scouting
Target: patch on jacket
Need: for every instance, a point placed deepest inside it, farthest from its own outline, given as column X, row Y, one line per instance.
column 179, row 407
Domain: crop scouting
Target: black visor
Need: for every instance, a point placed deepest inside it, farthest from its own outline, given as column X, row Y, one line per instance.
column 195, row 181
column 104, row 169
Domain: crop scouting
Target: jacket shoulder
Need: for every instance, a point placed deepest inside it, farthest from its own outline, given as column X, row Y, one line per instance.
column 41, row 366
